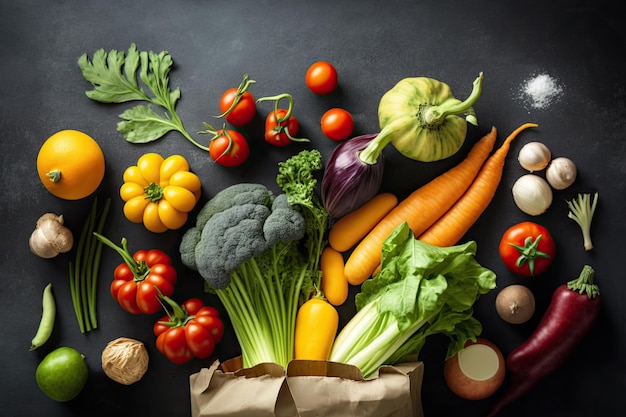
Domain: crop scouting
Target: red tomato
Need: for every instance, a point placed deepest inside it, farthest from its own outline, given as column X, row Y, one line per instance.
column 134, row 285
column 229, row 148
column 173, row 344
column 190, row 331
column 193, row 305
column 337, row 124
column 321, row 77
column 527, row 249
column 242, row 111
column 237, row 104
column 280, row 131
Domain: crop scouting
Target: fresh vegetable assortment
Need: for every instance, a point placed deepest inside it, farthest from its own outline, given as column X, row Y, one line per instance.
column 281, row 263
column 570, row 316
column 420, row 117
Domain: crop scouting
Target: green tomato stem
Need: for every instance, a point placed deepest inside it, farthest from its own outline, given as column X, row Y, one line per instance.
column 529, row 252
column 243, row 87
column 140, row 269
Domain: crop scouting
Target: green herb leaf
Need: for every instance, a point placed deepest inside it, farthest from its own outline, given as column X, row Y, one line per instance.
column 104, row 72
column 141, row 124
column 114, row 79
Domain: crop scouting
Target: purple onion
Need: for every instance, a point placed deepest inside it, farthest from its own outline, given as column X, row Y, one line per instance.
column 348, row 181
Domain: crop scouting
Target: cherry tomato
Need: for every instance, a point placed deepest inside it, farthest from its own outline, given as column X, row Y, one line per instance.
column 238, row 105
column 229, row 148
column 280, row 133
column 321, row 77
column 527, row 249
column 337, row 124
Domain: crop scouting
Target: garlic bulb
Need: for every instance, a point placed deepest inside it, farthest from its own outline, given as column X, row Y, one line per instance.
column 532, row 194
column 50, row 237
column 125, row 360
column 561, row 173
column 534, row 156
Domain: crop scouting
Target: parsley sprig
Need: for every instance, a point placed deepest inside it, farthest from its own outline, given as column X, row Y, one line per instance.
column 114, row 79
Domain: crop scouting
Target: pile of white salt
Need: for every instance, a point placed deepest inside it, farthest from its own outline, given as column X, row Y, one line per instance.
column 542, row 90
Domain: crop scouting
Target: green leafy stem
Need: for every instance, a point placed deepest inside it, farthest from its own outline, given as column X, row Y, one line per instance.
column 114, row 79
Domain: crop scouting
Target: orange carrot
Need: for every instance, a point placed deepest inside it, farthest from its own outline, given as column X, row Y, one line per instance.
column 451, row 227
column 334, row 284
column 420, row 209
column 352, row 227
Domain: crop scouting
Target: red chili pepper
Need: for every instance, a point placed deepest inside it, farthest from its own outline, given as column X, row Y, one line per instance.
column 139, row 278
column 572, row 312
column 190, row 330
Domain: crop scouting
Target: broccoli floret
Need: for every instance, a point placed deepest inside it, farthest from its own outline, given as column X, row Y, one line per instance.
column 237, row 233
column 284, row 224
column 234, row 195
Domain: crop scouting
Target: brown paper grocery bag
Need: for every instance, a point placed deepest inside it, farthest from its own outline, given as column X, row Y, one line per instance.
column 306, row 389
column 259, row 391
column 332, row 389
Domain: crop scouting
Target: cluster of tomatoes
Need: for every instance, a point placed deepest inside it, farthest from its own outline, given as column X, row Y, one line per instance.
column 229, row 147
column 143, row 283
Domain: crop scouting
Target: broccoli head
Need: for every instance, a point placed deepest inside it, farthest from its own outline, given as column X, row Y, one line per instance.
column 240, row 231
column 234, row 195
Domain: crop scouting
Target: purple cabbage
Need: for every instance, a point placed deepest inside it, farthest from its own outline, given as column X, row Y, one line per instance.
column 349, row 181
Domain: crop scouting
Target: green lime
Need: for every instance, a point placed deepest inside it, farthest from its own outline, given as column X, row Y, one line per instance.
column 62, row 374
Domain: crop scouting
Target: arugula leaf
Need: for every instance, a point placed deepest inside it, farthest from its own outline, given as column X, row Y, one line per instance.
column 113, row 76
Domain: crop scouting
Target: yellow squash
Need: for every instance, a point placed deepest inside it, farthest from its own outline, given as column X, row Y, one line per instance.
column 159, row 192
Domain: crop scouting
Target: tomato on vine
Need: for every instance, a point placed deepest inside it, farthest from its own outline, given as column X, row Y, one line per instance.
column 527, row 249
column 189, row 330
column 238, row 105
column 138, row 280
column 321, row 77
column 337, row 124
column 280, row 125
column 227, row 147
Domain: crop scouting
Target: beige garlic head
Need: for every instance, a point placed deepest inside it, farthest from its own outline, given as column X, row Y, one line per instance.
column 125, row 360
column 50, row 237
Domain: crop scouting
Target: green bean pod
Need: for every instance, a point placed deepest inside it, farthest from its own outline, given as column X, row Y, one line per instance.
column 47, row 319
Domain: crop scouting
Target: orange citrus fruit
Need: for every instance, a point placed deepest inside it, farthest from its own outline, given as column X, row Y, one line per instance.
column 70, row 164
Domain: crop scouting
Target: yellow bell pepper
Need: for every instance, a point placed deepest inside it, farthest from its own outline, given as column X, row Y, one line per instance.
column 159, row 192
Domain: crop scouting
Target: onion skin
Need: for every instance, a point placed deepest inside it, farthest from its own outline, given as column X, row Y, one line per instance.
column 348, row 182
